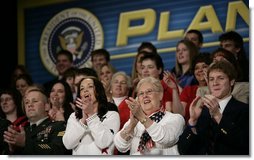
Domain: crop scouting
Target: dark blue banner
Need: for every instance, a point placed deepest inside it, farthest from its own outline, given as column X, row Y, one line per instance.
column 120, row 27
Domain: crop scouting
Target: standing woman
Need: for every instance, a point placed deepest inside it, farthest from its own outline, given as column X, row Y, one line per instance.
column 60, row 98
column 10, row 114
column 145, row 47
column 22, row 82
column 185, row 51
column 149, row 130
column 182, row 101
column 120, row 86
column 152, row 66
column 105, row 74
column 11, row 108
column 91, row 129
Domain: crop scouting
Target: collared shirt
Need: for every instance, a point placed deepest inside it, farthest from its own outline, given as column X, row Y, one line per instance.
column 39, row 121
column 223, row 103
column 118, row 100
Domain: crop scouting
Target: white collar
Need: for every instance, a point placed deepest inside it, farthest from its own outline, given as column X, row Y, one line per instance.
column 118, row 100
column 223, row 103
column 39, row 121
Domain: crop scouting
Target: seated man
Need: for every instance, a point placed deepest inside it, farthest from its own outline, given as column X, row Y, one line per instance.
column 42, row 136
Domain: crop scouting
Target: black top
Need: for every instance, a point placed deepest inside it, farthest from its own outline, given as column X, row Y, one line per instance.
column 44, row 139
column 229, row 137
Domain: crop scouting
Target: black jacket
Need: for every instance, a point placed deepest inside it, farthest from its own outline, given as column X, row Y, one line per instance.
column 230, row 137
column 45, row 139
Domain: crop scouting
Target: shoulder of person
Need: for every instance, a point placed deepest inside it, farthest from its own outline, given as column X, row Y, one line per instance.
column 239, row 104
column 58, row 124
column 112, row 107
column 174, row 115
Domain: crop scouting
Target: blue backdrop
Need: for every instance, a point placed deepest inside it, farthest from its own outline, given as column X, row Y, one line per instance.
column 108, row 13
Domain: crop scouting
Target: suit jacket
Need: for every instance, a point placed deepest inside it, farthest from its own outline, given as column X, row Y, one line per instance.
column 229, row 137
column 44, row 139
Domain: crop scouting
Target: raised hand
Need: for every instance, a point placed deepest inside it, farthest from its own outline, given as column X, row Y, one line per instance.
column 171, row 80
column 135, row 108
column 212, row 104
column 195, row 110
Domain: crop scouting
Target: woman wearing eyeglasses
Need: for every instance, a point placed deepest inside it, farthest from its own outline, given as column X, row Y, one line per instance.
column 150, row 129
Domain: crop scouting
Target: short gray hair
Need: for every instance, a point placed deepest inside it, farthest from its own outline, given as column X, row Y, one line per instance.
column 123, row 74
column 155, row 82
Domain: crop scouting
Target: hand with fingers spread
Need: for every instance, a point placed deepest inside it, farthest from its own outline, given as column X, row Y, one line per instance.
column 135, row 108
column 170, row 80
column 212, row 104
column 195, row 110
column 86, row 107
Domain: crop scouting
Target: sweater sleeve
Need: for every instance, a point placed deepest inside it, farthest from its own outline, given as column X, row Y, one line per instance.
column 104, row 132
column 74, row 132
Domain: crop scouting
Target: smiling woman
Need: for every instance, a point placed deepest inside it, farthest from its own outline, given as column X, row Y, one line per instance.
column 95, row 122
column 150, row 129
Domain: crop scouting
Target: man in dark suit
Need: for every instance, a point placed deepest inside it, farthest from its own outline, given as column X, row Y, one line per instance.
column 218, row 124
column 42, row 136
column 64, row 61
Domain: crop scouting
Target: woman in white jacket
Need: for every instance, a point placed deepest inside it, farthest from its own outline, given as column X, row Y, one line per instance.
column 91, row 129
column 150, row 129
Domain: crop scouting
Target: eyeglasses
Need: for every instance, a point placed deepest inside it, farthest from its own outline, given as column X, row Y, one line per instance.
column 147, row 92
column 5, row 99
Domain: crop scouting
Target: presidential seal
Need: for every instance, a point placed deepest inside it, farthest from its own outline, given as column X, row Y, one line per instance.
column 76, row 30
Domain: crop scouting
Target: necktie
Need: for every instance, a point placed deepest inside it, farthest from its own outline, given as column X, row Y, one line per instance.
column 32, row 127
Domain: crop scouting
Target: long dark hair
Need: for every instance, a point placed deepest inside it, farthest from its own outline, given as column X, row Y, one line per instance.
column 99, row 95
column 67, row 100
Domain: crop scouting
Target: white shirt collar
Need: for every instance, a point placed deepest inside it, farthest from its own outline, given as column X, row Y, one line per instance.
column 223, row 103
column 39, row 121
column 118, row 100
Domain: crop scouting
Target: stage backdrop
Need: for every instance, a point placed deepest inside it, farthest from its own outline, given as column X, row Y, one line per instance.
column 44, row 27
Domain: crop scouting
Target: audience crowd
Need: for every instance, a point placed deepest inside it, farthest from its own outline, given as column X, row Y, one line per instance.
column 198, row 107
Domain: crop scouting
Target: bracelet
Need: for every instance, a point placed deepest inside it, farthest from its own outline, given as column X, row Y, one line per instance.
column 143, row 121
column 190, row 126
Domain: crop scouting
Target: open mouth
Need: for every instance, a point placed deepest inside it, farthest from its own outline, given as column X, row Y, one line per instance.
column 147, row 101
column 87, row 96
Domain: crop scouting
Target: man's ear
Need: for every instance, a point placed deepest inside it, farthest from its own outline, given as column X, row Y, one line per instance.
column 237, row 50
column 232, row 82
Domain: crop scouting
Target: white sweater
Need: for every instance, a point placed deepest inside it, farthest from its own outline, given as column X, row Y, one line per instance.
column 165, row 134
column 93, row 138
